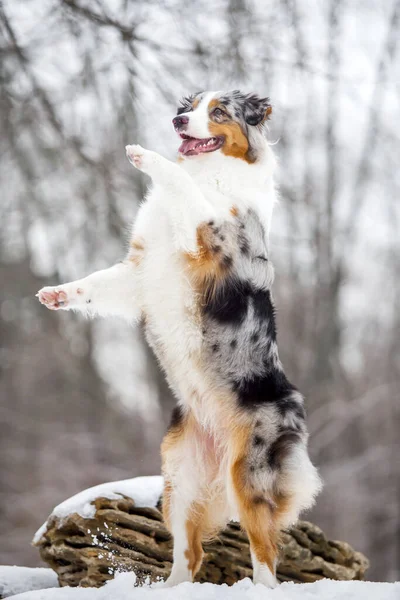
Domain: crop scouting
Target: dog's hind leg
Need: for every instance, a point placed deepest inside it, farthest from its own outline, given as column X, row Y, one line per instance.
column 186, row 525
column 256, row 514
column 185, row 501
column 185, row 203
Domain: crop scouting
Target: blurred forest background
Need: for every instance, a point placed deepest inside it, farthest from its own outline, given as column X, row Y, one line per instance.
column 83, row 402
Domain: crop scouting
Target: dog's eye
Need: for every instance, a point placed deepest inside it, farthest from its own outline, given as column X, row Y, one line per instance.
column 217, row 112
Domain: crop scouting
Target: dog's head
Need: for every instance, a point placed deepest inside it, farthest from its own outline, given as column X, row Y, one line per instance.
column 230, row 122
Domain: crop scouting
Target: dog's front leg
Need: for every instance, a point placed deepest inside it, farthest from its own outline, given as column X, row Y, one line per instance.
column 108, row 292
column 185, row 202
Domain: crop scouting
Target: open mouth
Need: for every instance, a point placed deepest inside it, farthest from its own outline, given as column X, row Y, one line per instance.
column 193, row 146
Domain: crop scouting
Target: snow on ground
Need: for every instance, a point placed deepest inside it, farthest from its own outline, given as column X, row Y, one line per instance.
column 121, row 588
column 16, row 580
column 145, row 491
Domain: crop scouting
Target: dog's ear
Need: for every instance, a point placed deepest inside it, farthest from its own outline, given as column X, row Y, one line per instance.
column 256, row 110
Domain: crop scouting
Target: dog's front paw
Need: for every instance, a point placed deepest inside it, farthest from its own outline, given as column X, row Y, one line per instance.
column 145, row 160
column 60, row 297
column 135, row 154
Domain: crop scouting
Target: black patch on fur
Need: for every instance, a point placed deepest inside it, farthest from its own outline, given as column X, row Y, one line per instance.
column 182, row 110
column 280, row 449
column 215, row 347
column 271, row 387
column 254, row 337
column 290, row 405
column 186, row 105
column 258, row 441
column 255, row 109
column 227, row 261
column 233, row 344
column 264, row 309
column 177, row 417
column 229, row 303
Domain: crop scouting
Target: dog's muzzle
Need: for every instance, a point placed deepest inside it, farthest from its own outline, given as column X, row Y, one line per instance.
column 180, row 123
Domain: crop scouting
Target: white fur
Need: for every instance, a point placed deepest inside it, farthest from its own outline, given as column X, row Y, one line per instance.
column 262, row 573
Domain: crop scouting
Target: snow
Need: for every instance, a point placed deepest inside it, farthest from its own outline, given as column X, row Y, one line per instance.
column 145, row 491
column 122, row 588
column 16, row 580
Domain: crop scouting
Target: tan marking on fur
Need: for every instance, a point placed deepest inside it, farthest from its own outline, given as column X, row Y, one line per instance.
column 214, row 103
column 173, row 436
column 166, row 503
column 194, row 530
column 205, row 267
column 137, row 244
column 281, row 505
column 137, row 249
column 234, row 211
column 135, row 259
column 208, row 261
column 236, row 143
column 258, row 518
column 222, row 118
column 195, row 103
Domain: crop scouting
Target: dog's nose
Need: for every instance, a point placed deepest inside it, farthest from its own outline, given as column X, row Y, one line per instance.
column 180, row 122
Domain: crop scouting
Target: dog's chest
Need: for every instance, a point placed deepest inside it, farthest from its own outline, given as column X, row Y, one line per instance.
column 167, row 298
column 172, row 306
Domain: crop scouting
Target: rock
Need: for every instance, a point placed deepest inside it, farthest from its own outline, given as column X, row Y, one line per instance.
column 123, row 537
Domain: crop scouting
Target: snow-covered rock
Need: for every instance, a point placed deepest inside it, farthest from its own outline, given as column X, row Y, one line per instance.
column 122, row 588
column 145, row 491
column 16, row 580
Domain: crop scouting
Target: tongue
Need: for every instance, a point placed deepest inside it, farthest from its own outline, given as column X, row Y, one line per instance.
column 189, row 145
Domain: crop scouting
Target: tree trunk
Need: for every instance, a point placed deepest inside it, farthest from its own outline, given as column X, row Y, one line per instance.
column 123, row 537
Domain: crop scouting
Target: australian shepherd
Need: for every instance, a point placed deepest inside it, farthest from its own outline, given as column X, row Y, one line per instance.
column 198, row 275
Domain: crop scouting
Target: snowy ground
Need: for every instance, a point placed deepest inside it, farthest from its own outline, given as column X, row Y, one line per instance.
column 146, row 491
column 122, row 588
column 15, row 580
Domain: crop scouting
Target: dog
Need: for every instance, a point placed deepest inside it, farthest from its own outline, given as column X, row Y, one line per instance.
column 198, row 275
